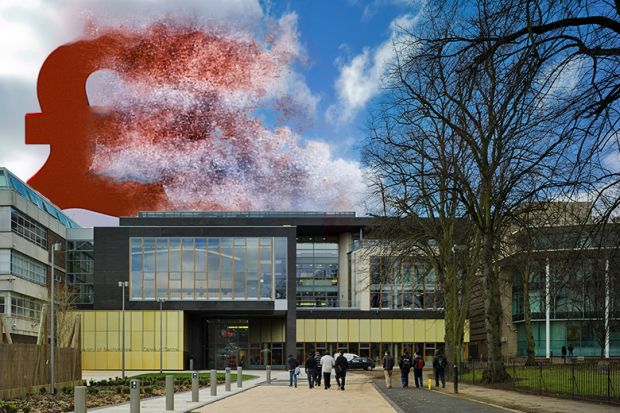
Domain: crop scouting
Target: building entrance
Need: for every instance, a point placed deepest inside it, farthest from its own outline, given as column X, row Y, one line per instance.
column 227, row 343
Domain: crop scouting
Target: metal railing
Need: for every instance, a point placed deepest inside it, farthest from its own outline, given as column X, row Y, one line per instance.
column 591, row 380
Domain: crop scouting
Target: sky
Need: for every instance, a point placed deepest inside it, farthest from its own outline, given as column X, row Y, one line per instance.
column 338, row 52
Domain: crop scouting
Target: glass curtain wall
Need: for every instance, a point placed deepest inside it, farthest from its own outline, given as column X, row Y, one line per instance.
column 81, row 269
column 202, row 268
column 402, row 283
column 317, row 273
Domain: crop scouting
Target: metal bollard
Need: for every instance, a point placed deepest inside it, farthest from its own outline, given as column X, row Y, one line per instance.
column 239, row 376
column 79, row 399
column 169, row 392
column 268, row 374
column 134, row 396
column 227, row 379
column 195, row 387
column 213, row 382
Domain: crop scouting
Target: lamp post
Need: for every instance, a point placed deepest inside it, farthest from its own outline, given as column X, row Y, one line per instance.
column 161, row 333
column 55, row 248
column 123, row 284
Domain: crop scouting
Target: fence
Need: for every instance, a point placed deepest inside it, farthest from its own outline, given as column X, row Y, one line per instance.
column 25, row 368
column 589, row 380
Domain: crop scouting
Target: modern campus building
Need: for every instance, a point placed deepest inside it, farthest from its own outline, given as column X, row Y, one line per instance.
column 219, row 289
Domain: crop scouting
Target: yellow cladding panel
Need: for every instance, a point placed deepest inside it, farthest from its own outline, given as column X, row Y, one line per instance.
column 150, row 360
column 134, row 359
column 136, row 341
column 88, row 321
column 321, row 327
column 397, row 330
column 89, row 341
column 375, row 331
column 466, row 332
column 299, row 331
column 101, row 360
column 310, row 330
column 354, row 330
column 172, row 320
column 101, row 320
column 332, row 331
column 113, row 321
column 88, row 360
column 430, row 331
column 101, row 340
column 136, row 321
column 114, row 360
column 148, row 341
column 364, row 331
column 114, row 341
column 149, row 321
column 419, row 329
column 277, row 331
column 386, row 331
column 343, row 331
column 408, row 331
column 172, row 341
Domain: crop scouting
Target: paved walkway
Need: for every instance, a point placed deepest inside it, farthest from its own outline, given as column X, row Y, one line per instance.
column 182, row 401
column 360, row 396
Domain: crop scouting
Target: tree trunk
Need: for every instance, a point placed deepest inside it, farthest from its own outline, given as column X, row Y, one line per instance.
column 495, row 371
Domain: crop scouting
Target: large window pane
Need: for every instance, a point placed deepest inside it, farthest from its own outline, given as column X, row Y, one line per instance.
column 240, row 276
column 174, row 282
column 266, row 269
column 213, row 263
column 252, row 263
column 149, row 269
column 187, row 266
column 226, row 273
column 136, row 268
column 162, row 268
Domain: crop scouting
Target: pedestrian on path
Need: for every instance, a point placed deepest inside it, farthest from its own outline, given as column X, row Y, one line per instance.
column 311, row 369
column 405, row 367
column 570, row 350
column 439, row 365
column 327, row 364
column 564, row 353
column 341, row 369
column 418, row 368
column 388, row 366
column 292, row 364
column 318, row 373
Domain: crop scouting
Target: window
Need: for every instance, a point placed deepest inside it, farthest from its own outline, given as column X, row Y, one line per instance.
column 27, row 268
column 201, row 268
column 80, row 270
column 2, row 304
column 26, row 307
column 317, row 273
column 28, row 228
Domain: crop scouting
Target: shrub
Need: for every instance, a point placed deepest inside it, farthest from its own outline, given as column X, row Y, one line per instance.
column 42, row 390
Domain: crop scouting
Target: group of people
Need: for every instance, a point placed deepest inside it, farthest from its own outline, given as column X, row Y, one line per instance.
column 571, row 349
column 407, row 362
column 318, row 368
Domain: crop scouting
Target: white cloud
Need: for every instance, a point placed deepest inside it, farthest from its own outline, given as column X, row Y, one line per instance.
column 361, row 79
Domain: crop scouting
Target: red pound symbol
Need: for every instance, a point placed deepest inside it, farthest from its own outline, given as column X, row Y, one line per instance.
column 72, row 128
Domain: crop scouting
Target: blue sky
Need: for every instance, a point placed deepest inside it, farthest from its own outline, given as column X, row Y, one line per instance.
column 345, row 45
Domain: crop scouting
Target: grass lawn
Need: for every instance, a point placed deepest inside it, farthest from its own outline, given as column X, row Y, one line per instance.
column 201, row 375
column 580, row 380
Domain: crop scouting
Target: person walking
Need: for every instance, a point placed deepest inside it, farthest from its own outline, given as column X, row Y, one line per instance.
column 388, row 366
column 439, row 365
column 311, row 369
column 564, row 353
column 570, row 350
column 327, row 364
column 318, row 373
column 341, row 369
column 292, row 364
column 418, row 368
column 405, row 367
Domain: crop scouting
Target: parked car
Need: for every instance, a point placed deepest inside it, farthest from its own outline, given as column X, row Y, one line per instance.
column 348, row 356
column 364, row 363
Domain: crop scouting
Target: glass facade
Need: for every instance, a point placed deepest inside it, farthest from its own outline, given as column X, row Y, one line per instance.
column 26, row 307
column 317, row 273
column 80, row 270
column 12, row 262
column 403, row 283
column 208, row 268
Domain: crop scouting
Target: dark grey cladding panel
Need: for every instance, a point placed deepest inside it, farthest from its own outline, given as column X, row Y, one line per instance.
column 372, row 314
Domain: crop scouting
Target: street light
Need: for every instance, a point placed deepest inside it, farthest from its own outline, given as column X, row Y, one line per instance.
column 123, row 284
column 161, row 334
column 55, row 248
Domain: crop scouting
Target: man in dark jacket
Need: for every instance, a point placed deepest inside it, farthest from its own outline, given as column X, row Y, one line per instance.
column 341, row 369
column 311, row 369
column 439, row 365
column 405, row 367
column 418, row 366
column 318, row 374
column 388, row 366
column 292, row 363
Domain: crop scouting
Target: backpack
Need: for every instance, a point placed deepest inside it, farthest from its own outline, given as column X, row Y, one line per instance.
column 442, row 362
column 420, row 363
column 406, row 363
